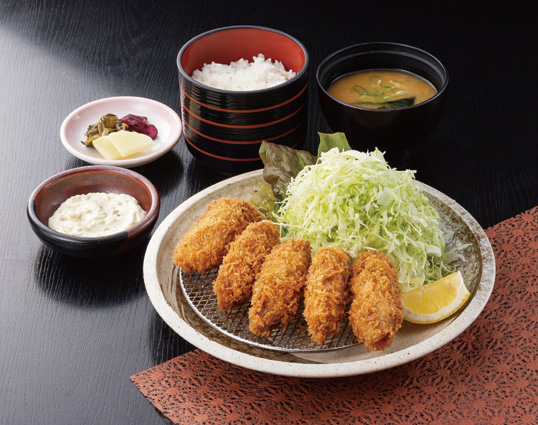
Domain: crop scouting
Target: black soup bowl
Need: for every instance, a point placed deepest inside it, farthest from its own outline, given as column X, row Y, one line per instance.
column 225, row 128
column 393, row 131
column 51, row 193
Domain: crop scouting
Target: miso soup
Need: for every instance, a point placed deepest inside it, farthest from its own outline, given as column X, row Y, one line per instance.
column 382, row 89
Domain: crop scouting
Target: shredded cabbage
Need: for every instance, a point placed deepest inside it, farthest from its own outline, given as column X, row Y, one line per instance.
column 357, row 201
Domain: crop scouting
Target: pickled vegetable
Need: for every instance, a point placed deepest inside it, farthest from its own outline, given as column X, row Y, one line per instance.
column 122, row 144
column 107, row 124
column 110, row 123
column 139, row 124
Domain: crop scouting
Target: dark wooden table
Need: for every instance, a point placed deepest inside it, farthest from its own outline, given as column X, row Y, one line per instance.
column 72, row 331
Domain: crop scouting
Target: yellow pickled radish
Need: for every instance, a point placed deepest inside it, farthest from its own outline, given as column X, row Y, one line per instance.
column 128, row 143
column 105, row 148
column 435, row 301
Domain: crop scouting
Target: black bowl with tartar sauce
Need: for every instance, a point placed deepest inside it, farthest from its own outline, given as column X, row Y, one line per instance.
column 50, row 194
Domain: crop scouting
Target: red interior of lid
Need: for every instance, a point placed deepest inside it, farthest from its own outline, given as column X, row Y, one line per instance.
column 242, row 43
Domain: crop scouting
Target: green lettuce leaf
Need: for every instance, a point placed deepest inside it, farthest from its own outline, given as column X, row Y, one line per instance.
column 264, row 199
column 282, row 164
column 330, row 141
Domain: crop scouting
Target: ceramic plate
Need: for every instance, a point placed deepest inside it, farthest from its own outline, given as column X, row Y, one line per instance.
column 161, row 116
column 413, row 341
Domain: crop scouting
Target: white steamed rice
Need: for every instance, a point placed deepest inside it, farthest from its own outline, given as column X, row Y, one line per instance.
column 243, row 75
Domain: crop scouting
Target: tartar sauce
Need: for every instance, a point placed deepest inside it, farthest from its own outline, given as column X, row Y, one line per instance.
column 96, row 214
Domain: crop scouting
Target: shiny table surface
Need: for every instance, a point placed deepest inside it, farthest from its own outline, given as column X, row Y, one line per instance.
column 72, row 331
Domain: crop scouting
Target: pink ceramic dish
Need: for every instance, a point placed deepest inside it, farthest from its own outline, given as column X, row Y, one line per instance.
column 161, row 116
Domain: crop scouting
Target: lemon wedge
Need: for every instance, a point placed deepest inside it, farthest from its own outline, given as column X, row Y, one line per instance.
column 435, row 301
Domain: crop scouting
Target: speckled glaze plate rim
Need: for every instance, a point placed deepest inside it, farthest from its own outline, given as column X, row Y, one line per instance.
column 162, row 116
column 310, row 367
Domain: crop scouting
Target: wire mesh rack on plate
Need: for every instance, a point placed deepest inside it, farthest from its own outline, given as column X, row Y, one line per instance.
column 198, row 290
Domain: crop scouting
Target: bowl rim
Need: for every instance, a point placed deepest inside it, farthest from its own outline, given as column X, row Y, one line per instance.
column 298, row 75
column 388, row 45
column 133, row 231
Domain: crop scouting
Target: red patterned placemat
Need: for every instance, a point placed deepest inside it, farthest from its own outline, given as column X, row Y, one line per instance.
column 487, row 375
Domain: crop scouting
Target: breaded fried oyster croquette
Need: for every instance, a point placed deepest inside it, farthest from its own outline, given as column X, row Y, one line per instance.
column 326, row 292
column 375, row 314
column 278, row 291
column 243, row 263
column 206, row 243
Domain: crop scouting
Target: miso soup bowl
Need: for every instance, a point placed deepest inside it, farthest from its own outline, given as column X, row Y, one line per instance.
column 223, row 128
column 51, row 193
column 393, row 131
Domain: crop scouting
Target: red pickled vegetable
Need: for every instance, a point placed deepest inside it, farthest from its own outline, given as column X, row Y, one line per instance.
column 151, row 131
column 139, row 124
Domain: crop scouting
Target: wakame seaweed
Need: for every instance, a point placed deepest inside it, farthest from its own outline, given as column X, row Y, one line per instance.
column 400, row 103
column 391, row 104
